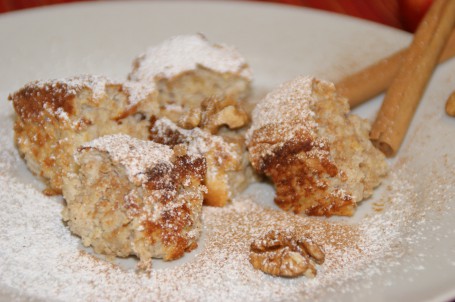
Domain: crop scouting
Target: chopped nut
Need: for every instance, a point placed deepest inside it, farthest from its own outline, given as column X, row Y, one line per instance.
column 281, row 254
column 213, row 114
column 450, row 105
column 313, row 250
column 219, row 112
column 231, row 116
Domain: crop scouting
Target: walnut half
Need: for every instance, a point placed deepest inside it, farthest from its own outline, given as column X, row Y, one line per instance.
column 282, row 254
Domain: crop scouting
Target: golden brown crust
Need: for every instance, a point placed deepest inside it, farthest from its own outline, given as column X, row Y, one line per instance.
column 30, row 102
column 175, row 239
column 301, row 178
column 35, row 132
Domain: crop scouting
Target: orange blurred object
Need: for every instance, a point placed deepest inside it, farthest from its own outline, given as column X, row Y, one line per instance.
column 381, row 11
column 403, row 14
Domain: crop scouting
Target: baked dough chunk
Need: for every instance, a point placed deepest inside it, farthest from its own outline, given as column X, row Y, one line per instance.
column 135, row 197
column 189, row 69
column 317, row 154
column 55, row 117
column 226, row 158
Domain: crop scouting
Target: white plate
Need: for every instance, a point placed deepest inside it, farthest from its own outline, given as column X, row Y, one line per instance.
column 416, row 257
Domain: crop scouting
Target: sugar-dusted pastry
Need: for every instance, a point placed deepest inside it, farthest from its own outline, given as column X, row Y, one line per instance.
column 188, row 69
column 317, row 154
column 55, row 117
column 135, row 197
column 226, row 158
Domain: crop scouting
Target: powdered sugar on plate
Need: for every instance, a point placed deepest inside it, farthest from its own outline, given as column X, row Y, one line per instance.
column 41, row 259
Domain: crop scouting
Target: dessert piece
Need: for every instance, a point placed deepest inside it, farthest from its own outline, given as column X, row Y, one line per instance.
column 317, row 154
column 135, row 197
column 173, row 79
column 55, row 117
column 226, row 158
column 189, row 69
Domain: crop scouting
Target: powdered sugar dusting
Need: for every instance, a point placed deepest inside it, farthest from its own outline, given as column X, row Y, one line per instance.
column 73, row 85
column 274, row 123
column 182, row 53
column 199, row 142
column 41, row 258
column 138, row 91
column 136, row 155
column 274, row 108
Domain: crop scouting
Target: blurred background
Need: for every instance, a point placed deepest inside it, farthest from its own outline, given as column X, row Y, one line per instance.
column 402, row 14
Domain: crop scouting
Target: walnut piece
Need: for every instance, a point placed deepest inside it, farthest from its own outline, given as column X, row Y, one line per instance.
column 282, row 254
column 213, row 114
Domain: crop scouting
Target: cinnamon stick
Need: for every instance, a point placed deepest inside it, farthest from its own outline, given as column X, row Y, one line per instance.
column 405, row 92
column 450, row 105
column 376, row 78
